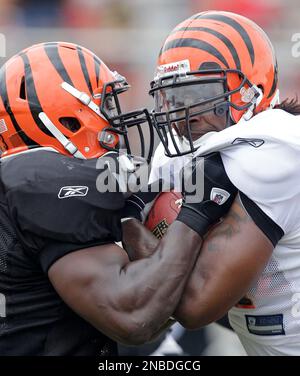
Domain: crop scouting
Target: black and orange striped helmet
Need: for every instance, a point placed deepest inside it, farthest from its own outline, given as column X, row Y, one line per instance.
column 62, row 96
column 217, row 62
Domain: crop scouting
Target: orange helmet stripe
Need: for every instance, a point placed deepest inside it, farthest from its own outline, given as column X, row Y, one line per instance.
column 97, row 65
column 90, row 62
column 195, row 43
column 7, row 107
column 84, row 68
column 275, row 82
column 246, row 38
column 51, row 50
column 236, row 25
column 32, row 97
column 220, row 36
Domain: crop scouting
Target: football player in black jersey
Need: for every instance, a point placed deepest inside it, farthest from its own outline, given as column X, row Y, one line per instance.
column 66, row 287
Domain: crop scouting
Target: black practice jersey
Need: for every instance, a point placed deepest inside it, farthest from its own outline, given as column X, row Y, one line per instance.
column 49, row 206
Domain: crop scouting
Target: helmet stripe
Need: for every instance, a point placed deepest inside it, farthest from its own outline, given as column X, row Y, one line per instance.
column 275, row 80
column 238, row 27
column 32, row 98
column 97, row 63
column 51, row 50
column 220, row 36
column 3, row 92
column 195, row 43
column 84, row 69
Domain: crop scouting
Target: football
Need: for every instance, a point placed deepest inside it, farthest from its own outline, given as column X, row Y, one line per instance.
column 163, row 212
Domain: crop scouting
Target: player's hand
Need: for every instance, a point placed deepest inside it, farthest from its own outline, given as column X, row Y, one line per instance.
column 140, row 203
column 202, row 208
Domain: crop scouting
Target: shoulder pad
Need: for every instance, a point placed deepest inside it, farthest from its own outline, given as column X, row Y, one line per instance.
column 56, row 196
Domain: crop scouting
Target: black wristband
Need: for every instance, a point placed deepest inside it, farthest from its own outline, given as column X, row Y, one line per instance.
column 131, row 212
column 195, row 220
column 132, row 208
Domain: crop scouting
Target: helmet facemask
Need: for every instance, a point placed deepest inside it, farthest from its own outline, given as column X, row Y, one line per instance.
column 191, row 104
column 120, row 122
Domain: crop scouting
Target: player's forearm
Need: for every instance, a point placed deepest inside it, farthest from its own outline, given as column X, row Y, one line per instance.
column 138, row 241
column 162, row 329
column 150, row 289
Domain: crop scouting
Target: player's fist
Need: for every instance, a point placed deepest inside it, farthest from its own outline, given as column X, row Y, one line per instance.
column 139, row 204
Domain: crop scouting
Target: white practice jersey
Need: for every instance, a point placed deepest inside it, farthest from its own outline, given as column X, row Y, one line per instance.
column 262, row 159
column 167, row 168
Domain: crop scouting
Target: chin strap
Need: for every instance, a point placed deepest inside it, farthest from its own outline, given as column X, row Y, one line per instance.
column 66, row 143
column 276, row 99
column 254, row 95
column 257, row 95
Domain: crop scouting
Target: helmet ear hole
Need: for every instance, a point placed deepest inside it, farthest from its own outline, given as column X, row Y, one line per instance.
column 71, row 123
column 23, row 89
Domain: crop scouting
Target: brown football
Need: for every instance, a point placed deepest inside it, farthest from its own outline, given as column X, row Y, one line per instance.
column 163, row 212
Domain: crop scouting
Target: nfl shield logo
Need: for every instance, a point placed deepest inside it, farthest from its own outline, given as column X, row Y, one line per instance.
column 218, row 199
column 219, row 196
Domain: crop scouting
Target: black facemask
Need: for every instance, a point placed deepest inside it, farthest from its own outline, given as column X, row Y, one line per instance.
column 121, row 122
column 182, row 99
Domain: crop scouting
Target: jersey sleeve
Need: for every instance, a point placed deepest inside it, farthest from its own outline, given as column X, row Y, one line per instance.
column 47, row 250
column 267, row 175
column 54, row 203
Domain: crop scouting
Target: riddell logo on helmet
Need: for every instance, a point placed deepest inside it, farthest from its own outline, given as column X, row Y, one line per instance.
column 176, row 67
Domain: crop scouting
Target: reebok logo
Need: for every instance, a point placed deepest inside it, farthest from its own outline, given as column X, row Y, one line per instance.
column 73, row 191
column 255, row 142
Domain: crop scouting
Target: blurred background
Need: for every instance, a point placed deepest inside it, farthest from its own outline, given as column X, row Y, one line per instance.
column 127, row 35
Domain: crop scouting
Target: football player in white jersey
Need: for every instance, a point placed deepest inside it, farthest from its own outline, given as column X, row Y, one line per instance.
column 215, row 91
